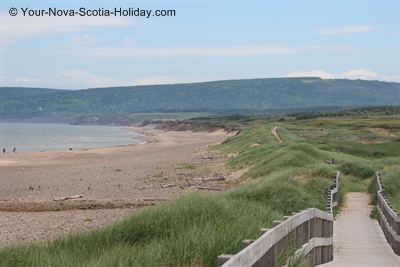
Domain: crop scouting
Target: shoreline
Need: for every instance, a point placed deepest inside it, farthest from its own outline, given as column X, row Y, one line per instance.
column 114, row 182
column 149, row 136
column 134, row 140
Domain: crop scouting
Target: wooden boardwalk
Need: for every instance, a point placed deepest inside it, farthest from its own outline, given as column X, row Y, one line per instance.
column 358, row 240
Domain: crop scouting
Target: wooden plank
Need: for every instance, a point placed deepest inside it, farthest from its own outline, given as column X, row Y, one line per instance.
column 254, row 251
column 358, row 240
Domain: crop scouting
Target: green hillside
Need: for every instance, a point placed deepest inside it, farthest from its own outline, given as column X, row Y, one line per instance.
column 254, row 94
column 17, row 92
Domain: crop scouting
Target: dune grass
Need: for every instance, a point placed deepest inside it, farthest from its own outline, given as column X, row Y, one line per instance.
column 189, row 231
column 195, row 228
column 391, row 184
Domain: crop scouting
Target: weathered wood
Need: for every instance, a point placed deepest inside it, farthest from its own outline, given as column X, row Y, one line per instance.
column 167, row 185
column 310, row 229
column 223, row 258
column 388, row 218
column 358, row 239
column 213, row 179
column 246, row 243
column 154, row 199
column 206, row 188
column 261, row 247
column 65, row 198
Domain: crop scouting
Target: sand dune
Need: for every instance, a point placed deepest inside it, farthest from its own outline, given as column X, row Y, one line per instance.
column 114, row 182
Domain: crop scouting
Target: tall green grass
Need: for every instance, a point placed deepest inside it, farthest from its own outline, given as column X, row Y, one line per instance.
column 195, row 228
column 391, row 184
column 189, row 231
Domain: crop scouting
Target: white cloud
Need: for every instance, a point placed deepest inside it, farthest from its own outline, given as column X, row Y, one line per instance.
column 345, row 29
column 78, row 79
column 391, row 78
column 70, row 79
column 314, row 73
column 85, row 39
column 85, row 79
column 129, row 40
column 20, row 27
column 156, row 80
column 351, row 74
column 140, row 51
column 130, row 50
column 166, row 80
column 359, row 74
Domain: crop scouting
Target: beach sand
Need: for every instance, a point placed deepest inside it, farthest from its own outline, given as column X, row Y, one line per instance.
column 114, row 182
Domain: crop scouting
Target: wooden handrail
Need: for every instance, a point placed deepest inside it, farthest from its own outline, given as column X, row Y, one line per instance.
column 388, row 219
column 333, row 195
column 310, row 230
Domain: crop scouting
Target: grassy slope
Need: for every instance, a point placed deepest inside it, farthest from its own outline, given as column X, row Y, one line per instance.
column 253, row 94
column 194, row 229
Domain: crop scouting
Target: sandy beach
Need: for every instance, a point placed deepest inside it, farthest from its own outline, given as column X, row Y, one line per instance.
column 113, row 182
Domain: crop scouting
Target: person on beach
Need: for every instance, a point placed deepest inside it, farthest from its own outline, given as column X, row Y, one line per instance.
column 4, row 150
column 14, row 150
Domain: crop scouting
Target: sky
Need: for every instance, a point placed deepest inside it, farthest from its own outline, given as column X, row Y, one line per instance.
column 88, row 44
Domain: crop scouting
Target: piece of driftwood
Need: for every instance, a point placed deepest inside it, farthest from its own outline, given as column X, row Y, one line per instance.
column 167, row 185
column 213, row 179
column 65, row 198
column 206, row 188
column 154, row 199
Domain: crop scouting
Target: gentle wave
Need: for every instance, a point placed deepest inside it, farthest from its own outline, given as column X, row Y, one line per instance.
column 31, row 137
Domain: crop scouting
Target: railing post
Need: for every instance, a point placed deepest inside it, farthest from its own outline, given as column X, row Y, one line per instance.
column 319, row 227
column 269, row 258
column 265, row 250
column 388, row 219
column 311, row 258
column 223, row 258
column 245, row 243
column 317, row 255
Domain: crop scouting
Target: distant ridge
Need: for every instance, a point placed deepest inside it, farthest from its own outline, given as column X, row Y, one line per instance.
column 16, row 92
column 252, row 94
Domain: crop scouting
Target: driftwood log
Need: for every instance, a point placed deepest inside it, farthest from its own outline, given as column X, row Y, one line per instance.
column 65, row 198
column 154, row 199
column 206, row 188
column 213, row 179
column 167, row 185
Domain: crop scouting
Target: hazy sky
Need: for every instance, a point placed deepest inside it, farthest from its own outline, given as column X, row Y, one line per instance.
column 204, row 41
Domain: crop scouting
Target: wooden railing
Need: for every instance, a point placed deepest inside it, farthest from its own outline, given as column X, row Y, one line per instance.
column 333, row 195
column 388, row 218
column 311, row 231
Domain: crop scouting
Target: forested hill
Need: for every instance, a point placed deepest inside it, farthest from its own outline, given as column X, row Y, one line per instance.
column 253, row 94
column 17, row 92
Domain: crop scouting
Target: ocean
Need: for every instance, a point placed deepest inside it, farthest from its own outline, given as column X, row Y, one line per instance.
column 32, row 137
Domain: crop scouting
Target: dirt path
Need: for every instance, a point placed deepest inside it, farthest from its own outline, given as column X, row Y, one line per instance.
column 358, row 239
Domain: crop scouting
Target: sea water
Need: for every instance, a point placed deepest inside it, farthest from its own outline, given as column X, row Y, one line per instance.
column 31, row 137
